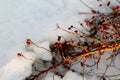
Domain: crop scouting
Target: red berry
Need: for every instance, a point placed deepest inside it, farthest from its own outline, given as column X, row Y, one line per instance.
column 101, row 26
column 84, row 51
column 19, row 54
column 55, row 45
column 87, row 22
column 60, row 45
column 28, row 41
column 59, row 38
column 67, row 43
column 94, row 12
column 81, row 63
column 108, row 4
column 116, row 8
column 87, row 56
column 76, row 31
column 106, row 28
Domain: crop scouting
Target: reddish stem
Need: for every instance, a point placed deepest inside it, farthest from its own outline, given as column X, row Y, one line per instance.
column 50, row 68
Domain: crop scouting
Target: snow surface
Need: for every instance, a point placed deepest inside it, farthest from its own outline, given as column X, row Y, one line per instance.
column 40, row 50
column 68, row 76
column 34, row 19
column 16, row 69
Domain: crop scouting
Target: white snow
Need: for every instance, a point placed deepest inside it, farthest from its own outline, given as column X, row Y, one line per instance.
column 40, row 50
column 34, row 19
column 72, row 76
column 52, row 76
column 16, row 69
column 68, row 76
column 19, row 67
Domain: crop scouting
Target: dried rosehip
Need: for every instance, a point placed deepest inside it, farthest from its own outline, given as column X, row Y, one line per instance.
column 76, row 31
column 28, row 41
column 105, row 28
column 60, row 45
column 87, row 22
column 87, row 56
column 19, row 54
column 101, row 26
column 108, row 4
column 84, row 51
column 67, row 43
column 59, row 38
column 55, row 45
column 116, row 8
column 93, row 12
column 81, row 63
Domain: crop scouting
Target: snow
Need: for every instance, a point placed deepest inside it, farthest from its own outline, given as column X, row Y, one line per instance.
column 34, row 19
column 17, row 68
column 20, row 67
column 40, row 50
column 68, row 76
column 72, row 76
column 52, row 76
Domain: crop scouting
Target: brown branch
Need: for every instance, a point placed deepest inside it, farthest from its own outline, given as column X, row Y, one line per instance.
column 50, row 68
column 79, row 35
column 117, row 45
